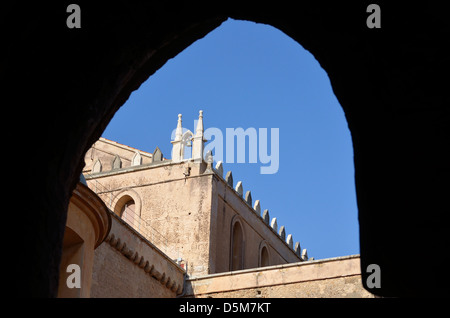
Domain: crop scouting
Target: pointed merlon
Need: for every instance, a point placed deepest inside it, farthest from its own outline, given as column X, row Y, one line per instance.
column 239, row 188
column 266, row 216
column 257, row 207
column 304, row 254
column 209, row 157
column 97, row 166
column 157, row 155
column 289, row 241
column 229, row 178
column 282, row 233
column 248, row 198
column 137, row 159
column 116, row 163
column 274, row 224
column 219, row 168
column 297, row 248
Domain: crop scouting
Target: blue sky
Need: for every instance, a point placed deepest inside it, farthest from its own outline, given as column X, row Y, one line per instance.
column 245, row 74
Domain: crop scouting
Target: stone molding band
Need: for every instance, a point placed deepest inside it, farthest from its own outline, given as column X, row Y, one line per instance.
column 121, row 246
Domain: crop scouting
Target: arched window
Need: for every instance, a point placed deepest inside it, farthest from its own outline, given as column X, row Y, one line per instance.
column 128, row 207
column 264, row 257
column 127, row 212
column 237, row 247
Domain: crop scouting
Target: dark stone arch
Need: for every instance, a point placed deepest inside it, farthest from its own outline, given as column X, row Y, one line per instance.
column 62, row 86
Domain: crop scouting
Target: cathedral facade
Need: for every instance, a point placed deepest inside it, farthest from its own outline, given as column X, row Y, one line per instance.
column 188, row 207
column 182, row 227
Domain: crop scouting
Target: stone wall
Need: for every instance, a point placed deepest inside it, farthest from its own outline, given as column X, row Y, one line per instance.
column 334, row 277
column 229, row 206
column 101, row 156
column 87, row 226
column 173, row 205
column 126, row 265
column 388, row 81
column 188, row 210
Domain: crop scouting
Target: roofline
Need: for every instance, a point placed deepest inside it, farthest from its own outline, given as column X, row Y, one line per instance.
column 118, row 144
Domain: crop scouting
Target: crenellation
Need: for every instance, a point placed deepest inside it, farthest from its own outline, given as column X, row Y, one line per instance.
column 137, row 159
column 304, row 254
column 274, row 224
column 289, row 241
column 219, row 168
column 209, row 159
column 157, row 155
column 97, row 167
column 239, row 189
column 266, row 216
column 297, row 248
column 229, row 179
column 116, row 163
column 282, row 233
column 189, row 181
column 248, row 197
column 110, row 156
column 257, row 208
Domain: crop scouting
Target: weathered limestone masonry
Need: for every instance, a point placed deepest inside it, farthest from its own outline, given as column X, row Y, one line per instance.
column 230, row 207
column 128, row 265
column 390, row 78
column 181, row 229
column 113, row 155
column 334, row 277
column 186, row 208
column 88, row 225
column 174, row 208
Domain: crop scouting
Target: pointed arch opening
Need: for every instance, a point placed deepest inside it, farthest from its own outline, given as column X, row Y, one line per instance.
column 264, row 255
column 237, row 246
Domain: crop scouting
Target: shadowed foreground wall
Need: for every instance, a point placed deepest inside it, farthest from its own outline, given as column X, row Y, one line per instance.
column 62, row 86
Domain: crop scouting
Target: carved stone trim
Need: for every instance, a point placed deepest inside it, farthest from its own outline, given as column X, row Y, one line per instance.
column 144, row 264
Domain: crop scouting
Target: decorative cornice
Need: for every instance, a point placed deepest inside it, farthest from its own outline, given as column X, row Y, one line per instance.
column 121, row 246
